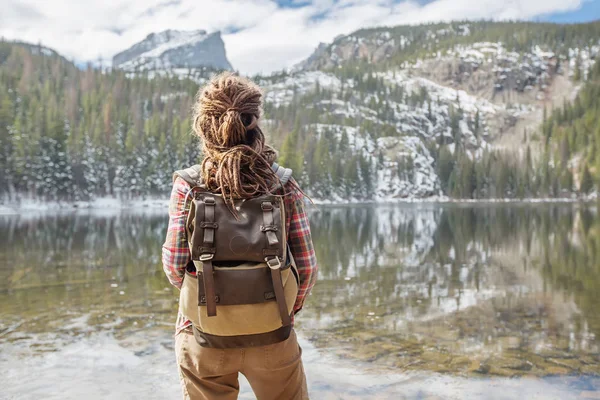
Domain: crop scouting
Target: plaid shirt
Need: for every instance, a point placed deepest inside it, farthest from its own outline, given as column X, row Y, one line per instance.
column 176, row 253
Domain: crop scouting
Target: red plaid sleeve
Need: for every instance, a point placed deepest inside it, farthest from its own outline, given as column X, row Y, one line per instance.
column 301, row 246
column 175, row 250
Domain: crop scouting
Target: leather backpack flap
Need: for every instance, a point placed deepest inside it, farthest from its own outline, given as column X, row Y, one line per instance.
column 258, row 232
column 195, row 235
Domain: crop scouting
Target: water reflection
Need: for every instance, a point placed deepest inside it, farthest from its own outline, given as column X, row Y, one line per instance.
column 504, row 290
column 477, row 290
column 78, row 274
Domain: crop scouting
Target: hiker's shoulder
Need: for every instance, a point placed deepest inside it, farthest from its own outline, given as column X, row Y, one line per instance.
column 185, row 179
column 283, row 174
column 190, row 175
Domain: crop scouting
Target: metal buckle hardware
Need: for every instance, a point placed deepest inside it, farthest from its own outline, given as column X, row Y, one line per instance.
column 203, row 299
column 273, row 263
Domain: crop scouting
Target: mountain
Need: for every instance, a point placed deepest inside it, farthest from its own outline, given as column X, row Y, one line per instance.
column 443, row 109
column 473, row 110
column 175, row 49
column 388, row 47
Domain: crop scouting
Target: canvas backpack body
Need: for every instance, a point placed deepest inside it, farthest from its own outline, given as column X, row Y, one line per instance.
column 246, row 282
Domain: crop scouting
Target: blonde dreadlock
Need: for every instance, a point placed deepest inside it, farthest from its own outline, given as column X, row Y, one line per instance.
column 237, row 162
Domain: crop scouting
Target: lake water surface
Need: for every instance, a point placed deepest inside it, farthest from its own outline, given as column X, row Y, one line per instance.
column 413, row 301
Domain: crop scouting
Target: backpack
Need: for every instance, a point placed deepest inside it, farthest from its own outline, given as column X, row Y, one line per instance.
column 246, row 282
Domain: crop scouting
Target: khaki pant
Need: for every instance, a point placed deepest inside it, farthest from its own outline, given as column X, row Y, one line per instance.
column 275, row 372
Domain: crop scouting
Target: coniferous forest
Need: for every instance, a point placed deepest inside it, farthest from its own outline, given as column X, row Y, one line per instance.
column 69, row 133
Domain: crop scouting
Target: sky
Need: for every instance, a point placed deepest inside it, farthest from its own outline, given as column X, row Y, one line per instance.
column 261, row 36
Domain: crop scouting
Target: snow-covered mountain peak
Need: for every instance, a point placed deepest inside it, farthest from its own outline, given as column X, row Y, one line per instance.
column 175, row 49
column 158, row 43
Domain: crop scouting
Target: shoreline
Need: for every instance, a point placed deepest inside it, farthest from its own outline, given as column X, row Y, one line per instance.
column 109, row 367
column 161, row 204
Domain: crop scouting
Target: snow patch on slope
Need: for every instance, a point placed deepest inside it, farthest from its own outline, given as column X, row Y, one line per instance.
column 280, row 92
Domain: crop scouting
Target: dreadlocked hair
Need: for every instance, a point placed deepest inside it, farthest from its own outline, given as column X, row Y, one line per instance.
column 237, row 162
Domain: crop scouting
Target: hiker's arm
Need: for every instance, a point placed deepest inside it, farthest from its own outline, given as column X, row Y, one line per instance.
column 175, row 250
column 302, row 249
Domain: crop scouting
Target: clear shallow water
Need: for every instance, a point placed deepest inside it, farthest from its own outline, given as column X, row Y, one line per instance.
column 416, row 301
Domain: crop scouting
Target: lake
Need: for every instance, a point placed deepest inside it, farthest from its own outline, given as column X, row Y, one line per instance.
column 415, row 301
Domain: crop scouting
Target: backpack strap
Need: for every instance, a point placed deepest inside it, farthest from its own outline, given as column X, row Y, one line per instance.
column 284, row 174
column 273, row 261
column 208, row 242
column 191, row 175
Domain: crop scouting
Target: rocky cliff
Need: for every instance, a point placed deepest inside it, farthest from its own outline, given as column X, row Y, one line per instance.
column 175, row 49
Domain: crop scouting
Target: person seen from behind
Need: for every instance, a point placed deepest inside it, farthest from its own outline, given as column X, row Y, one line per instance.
column 239, row 248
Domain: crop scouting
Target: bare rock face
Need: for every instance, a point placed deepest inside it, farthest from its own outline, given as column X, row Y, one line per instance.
column 175, row 49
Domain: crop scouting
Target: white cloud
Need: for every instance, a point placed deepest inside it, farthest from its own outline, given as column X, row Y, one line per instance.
column 265, row 37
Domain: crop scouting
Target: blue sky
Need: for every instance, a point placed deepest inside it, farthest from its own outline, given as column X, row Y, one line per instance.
column 260, row 35
column 589, row 11
column 304, row 3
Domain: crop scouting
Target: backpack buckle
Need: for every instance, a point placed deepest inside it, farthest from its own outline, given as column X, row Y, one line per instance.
column 206, row 257
column 273, row 263
column 203, row 299
column 209, row 201
column 266, row 206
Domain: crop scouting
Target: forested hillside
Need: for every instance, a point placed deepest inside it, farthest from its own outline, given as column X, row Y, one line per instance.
column 423, row 111
column 572, row 134
column 67, row 133
column 465, row 110
column 390, row 47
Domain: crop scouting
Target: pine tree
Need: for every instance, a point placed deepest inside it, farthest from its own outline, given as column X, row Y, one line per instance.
column 445, row 166
column 586, row 184
column 429, row 111
column 477, row 123
column 351, row 176
column 6, row 144
column 290, row 155
column 566, row 180
column 366, row 175
column 343, row 144
column 565, row 152
column 318, row 172
column 455, row 126
column 577, row 68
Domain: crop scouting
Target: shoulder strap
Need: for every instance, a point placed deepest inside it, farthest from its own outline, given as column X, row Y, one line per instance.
column 191, row 175
column 284, row 174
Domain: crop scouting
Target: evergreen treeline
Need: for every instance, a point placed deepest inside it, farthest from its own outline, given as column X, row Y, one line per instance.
column 569, row 161
column 70, row 134
column 572, row 134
